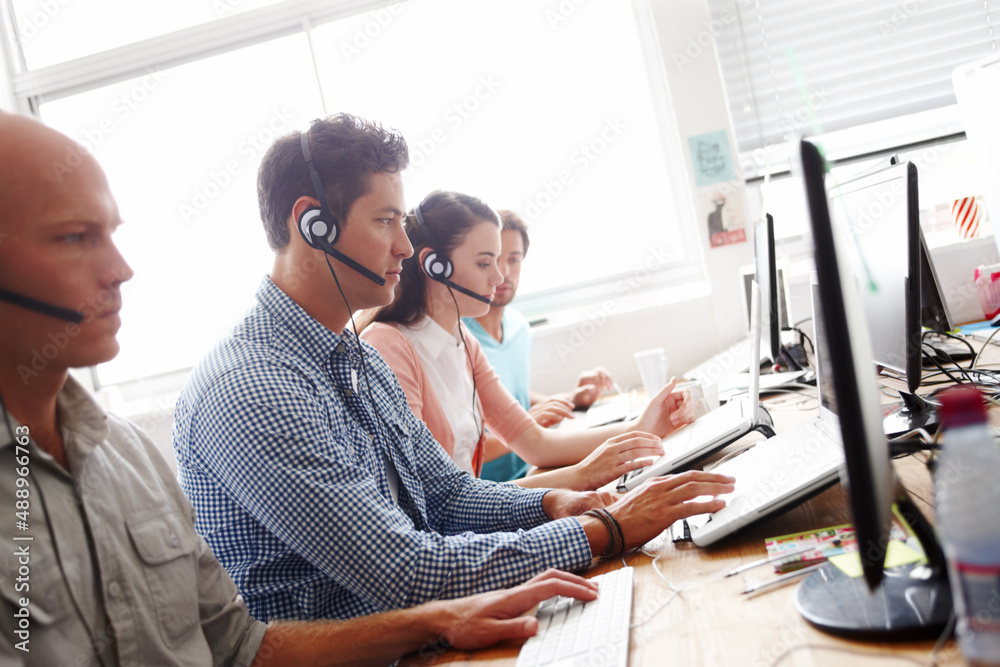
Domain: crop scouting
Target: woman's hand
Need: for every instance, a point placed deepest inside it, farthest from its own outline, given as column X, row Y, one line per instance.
column 615, row 457
column 668, row 411
column 552, row 410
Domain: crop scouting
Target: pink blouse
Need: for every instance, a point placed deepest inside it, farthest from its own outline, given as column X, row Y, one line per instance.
column 503, row 415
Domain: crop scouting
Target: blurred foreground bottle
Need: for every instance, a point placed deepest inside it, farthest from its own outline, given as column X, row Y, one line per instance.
column 967, row 491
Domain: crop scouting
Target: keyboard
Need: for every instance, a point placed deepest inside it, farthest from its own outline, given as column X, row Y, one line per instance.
column 689, row 442
column 573, row 632
column 771, row 474
column 608, row 410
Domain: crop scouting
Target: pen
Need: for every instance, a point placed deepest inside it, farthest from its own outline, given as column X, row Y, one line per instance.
column 771, row 559
column 782, row 579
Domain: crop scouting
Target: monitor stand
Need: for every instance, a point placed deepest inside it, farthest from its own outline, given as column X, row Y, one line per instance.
column 912, row 413
column 913, row 602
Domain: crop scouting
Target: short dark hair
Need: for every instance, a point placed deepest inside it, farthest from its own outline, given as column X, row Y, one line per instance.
column 346, row 151
column 512, row 221
column 450, row 216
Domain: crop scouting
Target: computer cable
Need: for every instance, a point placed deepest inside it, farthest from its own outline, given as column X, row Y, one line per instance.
column 477, row 418
column 975, row 359
column 941, row 368
column 674, row 592
column 945, row 334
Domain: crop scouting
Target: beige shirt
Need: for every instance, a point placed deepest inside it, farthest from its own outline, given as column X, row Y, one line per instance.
column 142, row 589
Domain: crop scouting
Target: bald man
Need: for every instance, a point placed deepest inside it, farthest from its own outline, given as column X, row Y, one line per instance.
column 101, row 564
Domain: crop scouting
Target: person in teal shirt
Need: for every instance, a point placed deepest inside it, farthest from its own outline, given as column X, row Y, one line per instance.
column 505, row 337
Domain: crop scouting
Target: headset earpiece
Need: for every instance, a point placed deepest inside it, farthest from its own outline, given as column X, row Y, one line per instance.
column 313, row 226
column 437, row 266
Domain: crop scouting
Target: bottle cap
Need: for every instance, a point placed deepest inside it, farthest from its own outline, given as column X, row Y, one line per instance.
column 960, row 406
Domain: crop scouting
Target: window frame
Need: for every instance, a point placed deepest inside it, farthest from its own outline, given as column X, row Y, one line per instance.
column 656, row 282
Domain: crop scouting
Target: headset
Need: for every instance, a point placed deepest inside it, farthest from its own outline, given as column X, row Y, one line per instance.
column 436, row 265
column 319, row 228
column 42, row 307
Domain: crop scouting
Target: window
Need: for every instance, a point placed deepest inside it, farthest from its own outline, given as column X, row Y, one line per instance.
column 822, row 67
column 561, row 115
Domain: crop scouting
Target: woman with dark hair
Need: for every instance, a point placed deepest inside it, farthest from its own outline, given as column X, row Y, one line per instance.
column 447, row 379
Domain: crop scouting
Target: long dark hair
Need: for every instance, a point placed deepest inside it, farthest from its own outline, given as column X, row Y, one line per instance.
column 450, row 215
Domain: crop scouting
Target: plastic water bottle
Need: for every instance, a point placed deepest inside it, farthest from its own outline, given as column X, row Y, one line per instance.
column 967, row 491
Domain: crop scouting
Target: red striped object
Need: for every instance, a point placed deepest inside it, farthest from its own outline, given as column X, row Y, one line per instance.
column 966, row 214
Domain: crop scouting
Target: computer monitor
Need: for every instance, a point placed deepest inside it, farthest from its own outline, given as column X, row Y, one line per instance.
column 766, row 275
column 914, row 601
column 880, row 212
column 935, row 314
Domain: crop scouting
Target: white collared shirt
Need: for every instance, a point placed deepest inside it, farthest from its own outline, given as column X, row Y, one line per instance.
column 445, row 361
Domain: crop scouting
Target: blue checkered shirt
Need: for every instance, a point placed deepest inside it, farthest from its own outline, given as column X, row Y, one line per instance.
column 280, row 451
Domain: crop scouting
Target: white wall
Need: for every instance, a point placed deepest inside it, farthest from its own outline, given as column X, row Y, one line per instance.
column 690, row 328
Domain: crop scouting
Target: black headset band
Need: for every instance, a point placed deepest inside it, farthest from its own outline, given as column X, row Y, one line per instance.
column 428, row 234
column 313, row 174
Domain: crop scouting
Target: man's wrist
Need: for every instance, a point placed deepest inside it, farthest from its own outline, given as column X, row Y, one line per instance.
column 597, row 535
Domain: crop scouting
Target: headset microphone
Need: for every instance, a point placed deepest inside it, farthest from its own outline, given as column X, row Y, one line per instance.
column 41, row 307
column 437, row 266
column 319, row 227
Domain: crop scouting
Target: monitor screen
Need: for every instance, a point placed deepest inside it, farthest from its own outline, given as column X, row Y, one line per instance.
column 879, row 213
column 866, row 449
column 766, row 275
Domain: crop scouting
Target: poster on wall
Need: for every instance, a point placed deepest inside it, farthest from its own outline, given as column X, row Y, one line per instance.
column 721, row 208
column 720, row 197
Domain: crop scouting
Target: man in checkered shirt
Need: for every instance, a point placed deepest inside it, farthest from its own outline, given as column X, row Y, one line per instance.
column 314, row 484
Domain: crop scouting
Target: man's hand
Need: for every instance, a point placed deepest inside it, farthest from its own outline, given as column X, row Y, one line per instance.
column 667, row 411
column 560, row 503
column 483, row 620
column 648, row 510
column 591, row 386
column 552, row 410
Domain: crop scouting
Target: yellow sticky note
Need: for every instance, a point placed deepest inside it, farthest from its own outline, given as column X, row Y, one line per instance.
column 896, row 554
column 900, row 553
column 849, row 564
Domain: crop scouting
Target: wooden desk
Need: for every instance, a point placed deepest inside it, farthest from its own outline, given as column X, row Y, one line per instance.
column 710, row 623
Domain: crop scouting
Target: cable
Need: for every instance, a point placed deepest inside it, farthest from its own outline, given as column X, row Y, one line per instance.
column 929, row 334
column 674, row 593
column 975, row 359
column 479, row 423
column 379, row 421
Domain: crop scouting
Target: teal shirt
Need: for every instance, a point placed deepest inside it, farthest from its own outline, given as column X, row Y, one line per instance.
column 511, row 360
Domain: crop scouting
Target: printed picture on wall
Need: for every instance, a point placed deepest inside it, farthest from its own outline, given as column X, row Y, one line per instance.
column 722, row 208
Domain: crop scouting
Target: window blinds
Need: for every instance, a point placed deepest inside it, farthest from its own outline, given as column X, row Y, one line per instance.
column 814, row 67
